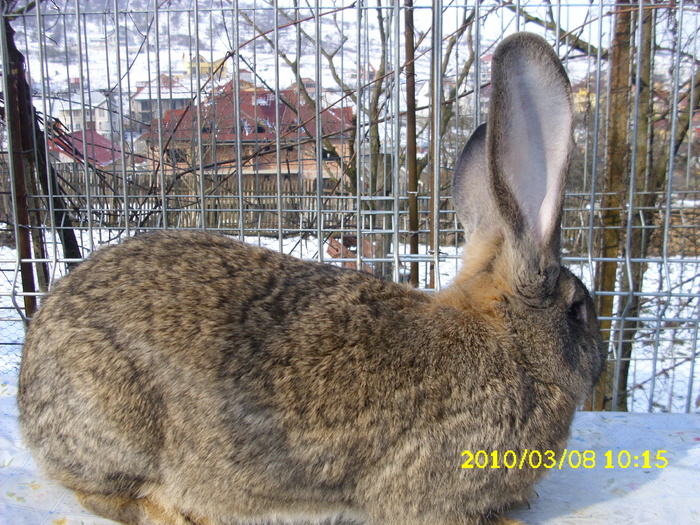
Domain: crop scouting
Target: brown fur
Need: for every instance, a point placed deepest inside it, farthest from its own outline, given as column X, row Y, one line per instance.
column 185, row 377
column 483, row 280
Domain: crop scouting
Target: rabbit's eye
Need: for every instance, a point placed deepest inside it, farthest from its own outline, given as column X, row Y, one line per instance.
column 577, row 312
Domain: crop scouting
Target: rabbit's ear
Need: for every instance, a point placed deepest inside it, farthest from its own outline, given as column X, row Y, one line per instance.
column 509, row 180
column 471, row 192
column 529, row 138
column 508, row 184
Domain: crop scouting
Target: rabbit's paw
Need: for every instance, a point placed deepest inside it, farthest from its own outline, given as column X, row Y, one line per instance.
column 499, row 519
column 134, row 511
column 117, row 508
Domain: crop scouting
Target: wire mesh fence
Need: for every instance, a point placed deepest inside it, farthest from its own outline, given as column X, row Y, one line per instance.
column 329, row 130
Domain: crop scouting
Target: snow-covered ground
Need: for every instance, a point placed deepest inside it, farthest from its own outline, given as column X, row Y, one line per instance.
column 666, row 353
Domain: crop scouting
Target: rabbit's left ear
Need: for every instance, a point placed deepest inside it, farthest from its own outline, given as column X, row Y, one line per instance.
column 529, row 140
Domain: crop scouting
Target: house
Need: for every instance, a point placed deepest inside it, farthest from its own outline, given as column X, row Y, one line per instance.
column 93, row 110
column 106, row 117
column 172, row 93
column 309, row 85
column 122, row 36
column 258, row 131
column 86, row 145
column 216, row 68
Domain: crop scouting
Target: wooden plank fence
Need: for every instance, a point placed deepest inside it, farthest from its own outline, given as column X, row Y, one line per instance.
column 150, row 199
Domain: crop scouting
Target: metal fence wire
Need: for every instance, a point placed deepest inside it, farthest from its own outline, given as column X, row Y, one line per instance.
column 290, row 124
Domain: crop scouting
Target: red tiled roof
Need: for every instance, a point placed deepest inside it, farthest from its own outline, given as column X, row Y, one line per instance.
column 100, row 150
column 258, row 110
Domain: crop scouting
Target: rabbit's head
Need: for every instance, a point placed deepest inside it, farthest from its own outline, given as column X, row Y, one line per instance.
column 508, row 190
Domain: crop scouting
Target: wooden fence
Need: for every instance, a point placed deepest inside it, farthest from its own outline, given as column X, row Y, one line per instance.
column 147, row 199
column 257, row 207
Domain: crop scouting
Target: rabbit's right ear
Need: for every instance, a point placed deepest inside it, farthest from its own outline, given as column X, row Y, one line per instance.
column 509, row 180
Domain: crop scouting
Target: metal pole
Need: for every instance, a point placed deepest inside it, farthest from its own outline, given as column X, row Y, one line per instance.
column 433, row 240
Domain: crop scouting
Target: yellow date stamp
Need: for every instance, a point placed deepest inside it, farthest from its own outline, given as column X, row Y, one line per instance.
column 549, row 459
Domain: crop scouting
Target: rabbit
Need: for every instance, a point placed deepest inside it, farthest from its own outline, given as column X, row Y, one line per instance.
column 189, row 378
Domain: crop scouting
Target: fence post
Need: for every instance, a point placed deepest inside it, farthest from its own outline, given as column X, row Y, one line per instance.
column 411, row 154
column 20, row 141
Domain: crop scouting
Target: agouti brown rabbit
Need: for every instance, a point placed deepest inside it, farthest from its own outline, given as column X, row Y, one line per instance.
column 185, row 377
